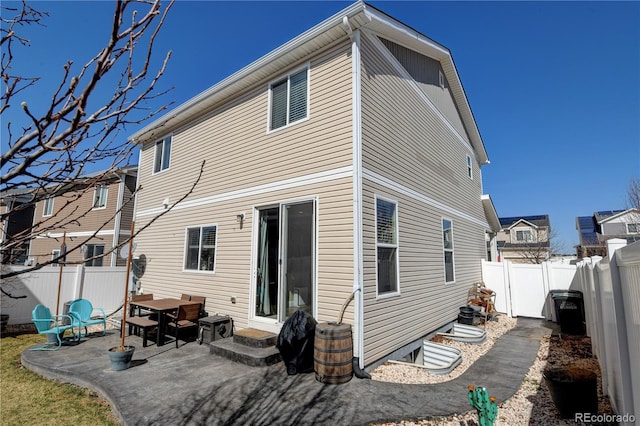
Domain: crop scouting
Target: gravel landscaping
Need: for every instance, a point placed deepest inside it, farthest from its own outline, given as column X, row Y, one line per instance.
column 532, row 403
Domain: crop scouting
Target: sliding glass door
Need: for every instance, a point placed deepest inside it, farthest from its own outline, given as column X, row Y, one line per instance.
column 285, row 273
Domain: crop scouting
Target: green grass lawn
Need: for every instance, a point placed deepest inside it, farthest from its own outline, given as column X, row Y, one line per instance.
column 26, row 398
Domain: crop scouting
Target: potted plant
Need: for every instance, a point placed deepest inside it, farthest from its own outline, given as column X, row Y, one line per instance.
column 573, row 390
column 120, row 356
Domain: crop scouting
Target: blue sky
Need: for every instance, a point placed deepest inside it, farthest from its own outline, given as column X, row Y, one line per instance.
column 554, row 86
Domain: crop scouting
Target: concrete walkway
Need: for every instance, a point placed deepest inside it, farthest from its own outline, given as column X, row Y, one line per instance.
column 189, row 386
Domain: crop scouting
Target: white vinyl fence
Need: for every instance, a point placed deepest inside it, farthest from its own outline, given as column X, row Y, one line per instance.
column 523, row 289
column 611, row 291
column 103, row 286
column 612, row 302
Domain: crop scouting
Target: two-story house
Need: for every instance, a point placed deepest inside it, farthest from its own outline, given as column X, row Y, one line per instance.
column 17, row 212
column 344, row 163
column 94, row 213
column 524, row 239
column 595, row 230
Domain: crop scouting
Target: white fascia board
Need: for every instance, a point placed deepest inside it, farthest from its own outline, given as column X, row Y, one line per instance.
column 617, row 216
column 522, row 221
column 490, row 213
column 262, row 68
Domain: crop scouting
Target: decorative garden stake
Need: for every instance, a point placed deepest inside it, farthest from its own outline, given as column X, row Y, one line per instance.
column 484, row 404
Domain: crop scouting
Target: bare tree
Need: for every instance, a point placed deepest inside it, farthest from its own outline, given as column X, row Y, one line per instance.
column 633, row 194
column 543, row 243
column 53, row 150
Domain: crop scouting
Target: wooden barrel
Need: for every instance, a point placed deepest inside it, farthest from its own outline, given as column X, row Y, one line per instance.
column 333, row 353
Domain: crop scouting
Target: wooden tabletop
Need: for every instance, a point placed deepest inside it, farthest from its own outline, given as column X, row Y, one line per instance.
column 162, row 304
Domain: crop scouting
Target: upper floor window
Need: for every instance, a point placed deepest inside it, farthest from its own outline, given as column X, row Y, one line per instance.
column 633, row 228
column 289, row 99
column 447, row 246
column 469, row 167
column 387, row 246
column 48, row 207
column 200, row 248
column 524, row 236
column 100, row 196
column 162, row 155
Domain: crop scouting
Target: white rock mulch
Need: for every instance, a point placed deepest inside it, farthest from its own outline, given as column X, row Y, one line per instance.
column 531, row 404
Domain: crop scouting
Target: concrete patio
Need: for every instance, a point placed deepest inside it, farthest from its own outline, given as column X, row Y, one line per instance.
column 189, row 386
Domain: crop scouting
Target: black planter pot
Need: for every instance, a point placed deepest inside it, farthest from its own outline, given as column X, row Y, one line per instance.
column 573, row 390
column 121, row 359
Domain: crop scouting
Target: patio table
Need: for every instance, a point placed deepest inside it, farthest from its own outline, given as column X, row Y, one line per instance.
column 161, row 307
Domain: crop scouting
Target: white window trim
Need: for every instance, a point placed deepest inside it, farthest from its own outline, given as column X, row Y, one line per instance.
column 515, row 235
column 395, row 293
column 637, row 224
column 44, row 207
column 85, row 255
column 186, row 242
column 441, row 79
column 444, row 250
column 287, row 76
column 95, row 194
column 55, row 253
column 469, row 167
column 155, row 153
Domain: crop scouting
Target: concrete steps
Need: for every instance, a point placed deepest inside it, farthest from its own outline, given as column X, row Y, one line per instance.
column 248, row 346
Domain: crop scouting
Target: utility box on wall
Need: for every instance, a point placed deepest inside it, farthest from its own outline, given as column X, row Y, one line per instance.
column 214, row 328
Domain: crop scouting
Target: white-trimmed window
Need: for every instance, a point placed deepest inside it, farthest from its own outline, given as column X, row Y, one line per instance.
column 200, row 251
column 289, row 100
column 92, row 250
column 100, row 196
column 162, row 155
column 524, row 236
column 633, row 228
column 387, row 246
column 55, row 254
column 447, row 245
column 48, row 207
column 441, row 79
column 469, row 167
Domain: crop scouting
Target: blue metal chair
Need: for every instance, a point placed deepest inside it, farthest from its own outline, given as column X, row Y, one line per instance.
column 49, row 325
column 80, row 311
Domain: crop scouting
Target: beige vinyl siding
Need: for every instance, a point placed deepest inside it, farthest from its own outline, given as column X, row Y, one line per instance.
column 162, row 246
column 425, row 301
column 405, row 141
column 41, row 248
column 425, row 72
column 75, row 208
column 241, row 153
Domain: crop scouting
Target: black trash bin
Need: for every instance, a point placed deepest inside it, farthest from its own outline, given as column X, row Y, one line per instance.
column 569, row 308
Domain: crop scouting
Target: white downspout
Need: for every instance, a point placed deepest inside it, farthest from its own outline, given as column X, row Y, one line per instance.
column 358, row 314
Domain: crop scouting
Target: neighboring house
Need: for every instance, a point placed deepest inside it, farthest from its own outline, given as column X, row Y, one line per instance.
column 15, row 224
column 525, row 239
column 98, row 213
column 594, row 231
column 345, row 161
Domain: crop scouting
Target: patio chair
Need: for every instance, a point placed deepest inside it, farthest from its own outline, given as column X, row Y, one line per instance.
column 80, row 311
column 202, row 301
column 186, row 317
column 50, row 325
